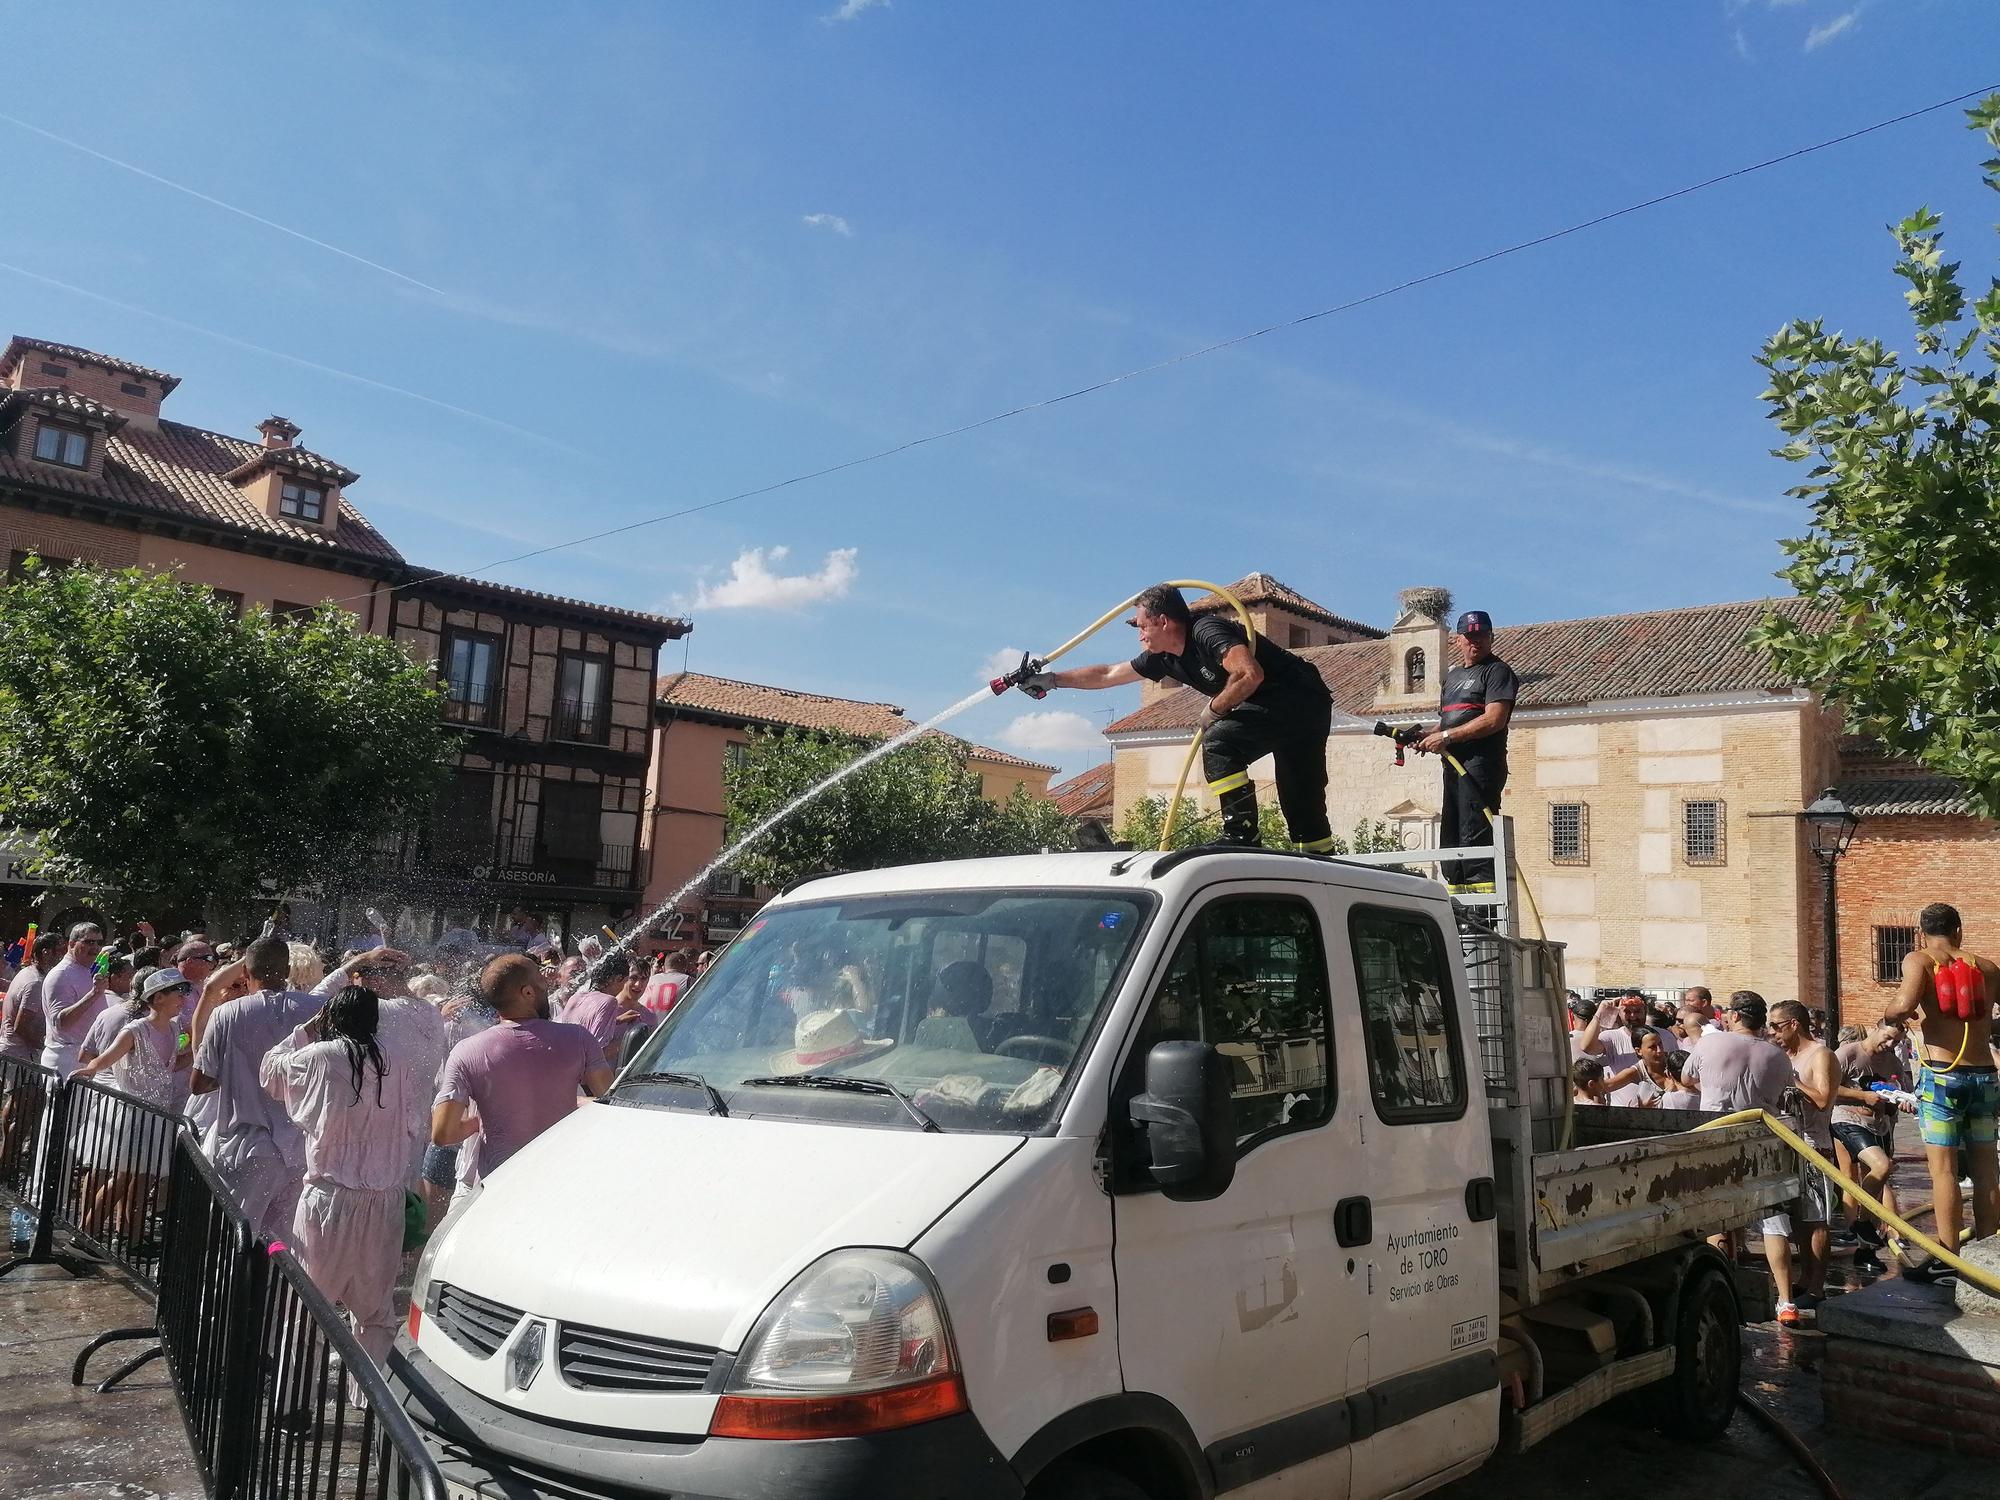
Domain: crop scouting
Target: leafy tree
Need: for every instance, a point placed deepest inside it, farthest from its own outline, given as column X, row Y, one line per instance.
column 1903, row 555
column 158, row 747
column 917, row 804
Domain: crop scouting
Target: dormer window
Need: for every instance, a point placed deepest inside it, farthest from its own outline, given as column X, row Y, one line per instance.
column 62, row 445
column 302, row 502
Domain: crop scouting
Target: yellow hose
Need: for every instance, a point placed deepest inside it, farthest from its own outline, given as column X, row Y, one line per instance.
column 1981, row 1279
column 1249, row 630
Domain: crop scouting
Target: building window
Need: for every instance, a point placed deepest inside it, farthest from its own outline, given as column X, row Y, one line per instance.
column 302, row 502
column 1702, row 841
column 1414, row 667
column 1411, row 1032
column 469, row 666
column 735, row 756
column 462, row 819
column 61, row 372
column 1298, row 635
column 1892, row 946
column 131, row 389
column 282, row 609
column 1569, row 833
column 1249, row 978
column 62, row 445
column 728, row 883
column 583, row 699
column 572, row 829
column 230, row 600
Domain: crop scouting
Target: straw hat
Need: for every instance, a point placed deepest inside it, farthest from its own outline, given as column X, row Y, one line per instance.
column 826, row 1036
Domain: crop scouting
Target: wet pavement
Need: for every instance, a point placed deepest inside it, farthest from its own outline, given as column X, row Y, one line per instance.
column 64, row 1442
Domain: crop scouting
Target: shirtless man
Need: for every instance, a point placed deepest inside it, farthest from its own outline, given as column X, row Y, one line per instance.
column 1958, row 1092
column 1805, row 1225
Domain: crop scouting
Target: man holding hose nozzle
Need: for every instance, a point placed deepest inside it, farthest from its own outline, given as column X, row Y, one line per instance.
column 1261, row 702
column 1477, row 701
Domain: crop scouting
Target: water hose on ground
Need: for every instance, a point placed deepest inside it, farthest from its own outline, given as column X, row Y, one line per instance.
column 1194, row 748
column 1984, row 1280
column 1795, row 1443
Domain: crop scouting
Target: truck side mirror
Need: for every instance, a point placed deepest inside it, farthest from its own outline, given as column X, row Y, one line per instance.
column 1190, row 1120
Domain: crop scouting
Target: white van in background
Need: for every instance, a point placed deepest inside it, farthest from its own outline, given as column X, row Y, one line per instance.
column 1082, row 1177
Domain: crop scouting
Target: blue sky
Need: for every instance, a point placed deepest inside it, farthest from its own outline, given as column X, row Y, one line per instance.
column 659, row 254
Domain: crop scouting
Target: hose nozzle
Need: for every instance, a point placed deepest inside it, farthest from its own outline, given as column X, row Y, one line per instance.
column 1404, row 738
column 1030, row 665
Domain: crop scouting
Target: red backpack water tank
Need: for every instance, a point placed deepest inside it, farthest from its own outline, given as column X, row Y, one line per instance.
column 1961, row 989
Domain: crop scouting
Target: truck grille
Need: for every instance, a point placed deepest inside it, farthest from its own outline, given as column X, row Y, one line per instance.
column 596, row 1359
column 475, row 1324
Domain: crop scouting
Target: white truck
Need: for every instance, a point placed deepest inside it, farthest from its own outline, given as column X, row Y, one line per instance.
column 1084, row 1177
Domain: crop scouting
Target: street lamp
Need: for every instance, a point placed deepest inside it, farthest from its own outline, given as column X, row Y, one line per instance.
column 1831, row 824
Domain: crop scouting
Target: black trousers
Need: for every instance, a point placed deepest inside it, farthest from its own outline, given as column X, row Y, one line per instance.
column 1466, row 799
column 1296, row 743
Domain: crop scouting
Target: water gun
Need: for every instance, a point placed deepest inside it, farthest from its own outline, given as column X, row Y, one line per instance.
column 1961, row 988
column 103, row 963
column 17, row 953
column 1893, row 1094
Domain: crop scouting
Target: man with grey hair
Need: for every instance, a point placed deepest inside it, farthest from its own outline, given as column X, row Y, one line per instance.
column 256, row 1147
column 72, row 995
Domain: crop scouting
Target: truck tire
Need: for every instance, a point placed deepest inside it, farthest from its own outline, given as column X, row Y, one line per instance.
column 1069, row 1479
column 1708, row 1362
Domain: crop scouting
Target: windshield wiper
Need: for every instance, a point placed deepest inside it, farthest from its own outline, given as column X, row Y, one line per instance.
column 845, row 1085
column 686, row 1081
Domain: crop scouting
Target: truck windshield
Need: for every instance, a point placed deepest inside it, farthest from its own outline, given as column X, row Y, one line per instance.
column 973, row 1005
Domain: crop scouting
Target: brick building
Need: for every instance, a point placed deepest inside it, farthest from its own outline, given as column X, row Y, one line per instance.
column 556, row 694
column 703, row 722
column 1657, row 769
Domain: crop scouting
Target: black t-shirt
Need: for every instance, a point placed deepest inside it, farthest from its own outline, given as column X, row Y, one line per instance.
column 1467, row 691
column 1290, row 684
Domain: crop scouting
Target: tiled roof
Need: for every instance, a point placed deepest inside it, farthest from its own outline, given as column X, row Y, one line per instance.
column 755, row 703
column 178, row 472
column 298, row 461
column 672, row 627
column 18, row 347
column 1905, row 796
column 1087, row 795
column 1669, row 653
column 1262, row 588
column 67, row 404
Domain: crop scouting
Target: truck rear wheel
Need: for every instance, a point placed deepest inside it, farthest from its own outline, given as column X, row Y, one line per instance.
column 1071, row 1480
column 1708, row 1362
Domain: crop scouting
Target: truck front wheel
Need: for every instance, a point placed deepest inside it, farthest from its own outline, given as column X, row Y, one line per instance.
column 1071, row 1480
column 1708, row 1362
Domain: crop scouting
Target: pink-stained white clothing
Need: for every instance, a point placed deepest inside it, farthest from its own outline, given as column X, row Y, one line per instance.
column 663, row 990
column 256, row 1147
column 350, row 1241
column 68, row 1008
column 24, row 1001
column 347, row 1230
column 140, row 1142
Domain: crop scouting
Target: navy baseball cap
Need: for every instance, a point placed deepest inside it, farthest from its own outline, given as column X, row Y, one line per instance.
column 1474, row 622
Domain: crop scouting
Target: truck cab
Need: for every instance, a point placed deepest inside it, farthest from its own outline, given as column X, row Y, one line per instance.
column 1081, row 1177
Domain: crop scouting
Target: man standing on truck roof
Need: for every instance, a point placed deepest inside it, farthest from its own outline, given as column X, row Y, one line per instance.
column 1474, row 708
column 1261, row 702
column 1805, row 1226
column 1958, row 1091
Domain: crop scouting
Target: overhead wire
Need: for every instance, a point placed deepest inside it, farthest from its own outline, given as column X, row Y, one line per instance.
column 1233, row 341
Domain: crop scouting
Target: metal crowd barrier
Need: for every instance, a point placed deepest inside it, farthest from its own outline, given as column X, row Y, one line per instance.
column 326, row 1423
column 278, row 1398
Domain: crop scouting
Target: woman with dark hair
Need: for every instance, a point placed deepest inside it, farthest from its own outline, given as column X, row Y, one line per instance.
column 350, row 1098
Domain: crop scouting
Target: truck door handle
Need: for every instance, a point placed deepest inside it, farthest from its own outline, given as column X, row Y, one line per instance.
column 1353, row 1222
column 1480, row 1204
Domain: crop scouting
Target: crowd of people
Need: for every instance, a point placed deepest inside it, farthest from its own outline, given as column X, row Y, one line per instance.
column 342, row 1106
column 1843, row 1094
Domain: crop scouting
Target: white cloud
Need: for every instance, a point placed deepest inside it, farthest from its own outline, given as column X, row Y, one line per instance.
column 834, row 222
column 849, row 9
column 1050, row 732
column 752, row 583
column 1819, row 36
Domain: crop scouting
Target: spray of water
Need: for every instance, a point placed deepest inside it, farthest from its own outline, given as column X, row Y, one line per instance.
column 820, row 788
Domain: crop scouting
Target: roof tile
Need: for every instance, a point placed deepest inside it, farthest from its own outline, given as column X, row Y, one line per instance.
column 19, row 345
column 1087, row 795
column 1661, row 654
column 1920, row 796
column 1262, row 588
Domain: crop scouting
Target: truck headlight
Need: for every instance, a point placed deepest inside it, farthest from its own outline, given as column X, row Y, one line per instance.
column 857, row 1343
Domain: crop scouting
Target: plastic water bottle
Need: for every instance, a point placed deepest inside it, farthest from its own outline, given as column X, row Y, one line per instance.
column 21, row 1230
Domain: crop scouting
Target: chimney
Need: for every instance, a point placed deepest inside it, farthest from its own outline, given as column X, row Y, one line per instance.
column 278, row 433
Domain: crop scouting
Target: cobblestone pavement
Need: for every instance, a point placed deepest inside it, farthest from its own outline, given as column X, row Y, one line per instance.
column 63, row 1442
